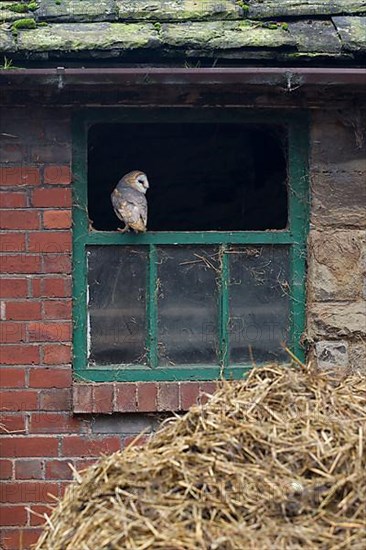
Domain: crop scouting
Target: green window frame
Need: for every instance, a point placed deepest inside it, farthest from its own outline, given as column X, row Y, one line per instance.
column 295, row 236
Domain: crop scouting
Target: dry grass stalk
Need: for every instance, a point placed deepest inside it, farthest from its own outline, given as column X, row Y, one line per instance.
column 274, row 461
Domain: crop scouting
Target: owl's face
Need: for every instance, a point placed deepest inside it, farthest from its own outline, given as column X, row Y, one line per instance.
column 136, row 179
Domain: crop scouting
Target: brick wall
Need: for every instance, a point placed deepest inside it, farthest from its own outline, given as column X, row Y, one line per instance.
column 46, row 423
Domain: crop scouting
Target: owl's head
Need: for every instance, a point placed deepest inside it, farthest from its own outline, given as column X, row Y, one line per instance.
column 136, row 179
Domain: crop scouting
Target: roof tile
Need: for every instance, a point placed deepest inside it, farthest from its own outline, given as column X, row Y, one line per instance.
column 90, row 36
column 178, row 10
column 259, row 30
column 315, row 36
column 300, row 8
column 215, row 35
column 6, row 39
column 76, row 10
column 352, row 31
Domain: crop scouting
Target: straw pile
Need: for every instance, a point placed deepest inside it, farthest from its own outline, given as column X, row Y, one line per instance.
column 276, row 461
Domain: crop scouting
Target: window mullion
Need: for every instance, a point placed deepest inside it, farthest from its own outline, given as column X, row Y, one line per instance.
column 223, row 288
column 152, row 307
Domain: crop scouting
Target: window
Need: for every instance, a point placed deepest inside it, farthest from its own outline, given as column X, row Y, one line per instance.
column 218, row 279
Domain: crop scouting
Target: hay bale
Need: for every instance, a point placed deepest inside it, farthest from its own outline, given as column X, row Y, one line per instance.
column 277, row 460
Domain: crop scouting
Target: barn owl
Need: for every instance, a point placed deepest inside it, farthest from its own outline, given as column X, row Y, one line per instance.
column 129, row 201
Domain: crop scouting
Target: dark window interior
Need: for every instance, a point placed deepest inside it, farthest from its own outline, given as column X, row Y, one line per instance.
column 203, row 177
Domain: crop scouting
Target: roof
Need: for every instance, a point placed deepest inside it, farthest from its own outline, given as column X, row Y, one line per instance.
column 206, row 32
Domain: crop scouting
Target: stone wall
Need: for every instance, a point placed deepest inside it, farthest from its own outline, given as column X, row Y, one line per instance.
column 337, row 241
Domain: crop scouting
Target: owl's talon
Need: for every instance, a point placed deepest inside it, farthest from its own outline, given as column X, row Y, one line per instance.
column 123, row 229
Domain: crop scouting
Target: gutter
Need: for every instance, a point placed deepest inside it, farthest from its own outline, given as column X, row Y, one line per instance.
column 286, row 77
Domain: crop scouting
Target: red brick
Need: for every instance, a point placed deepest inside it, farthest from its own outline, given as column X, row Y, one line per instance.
column 103, row 398
column 57, row 219
column 51, row 197
column 27, row 491
column 56, row 287
column 57, row 309
column 12, row 242
column 20, row 263
column 58, row 469
column 28, row 469
column 19, row 219
column 19, row 355
column 23, row 311
column 82, row 398
column 36, row 287
column 62, row 486
column 19, row 175
column 12, row 377
column 13, row 200
column 49, row 332
column 12, row 423
column 57, row 174
column 51, row 242
column 168, row 397
column 56, row 354
column 13, row 515
column 207, row 388
column 15, row 539
column 13, row 288
column 79, row 446
column 146, row 396
column 6, row 469
column 54, row 422
column 37, row 512
column 18, row 400
column 50, row 377
column 134, row 441
column 189, row 394
column 55, row 400
column 11, row 332
column 57, row 263
column 84, row 463
column 126, row 397
column 27, row 446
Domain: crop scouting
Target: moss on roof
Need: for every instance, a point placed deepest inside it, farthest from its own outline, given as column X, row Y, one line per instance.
column 223, row 29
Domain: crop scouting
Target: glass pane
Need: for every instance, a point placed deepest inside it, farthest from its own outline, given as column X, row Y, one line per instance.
column 259, row 303
column 187, row 305
column 116, row 285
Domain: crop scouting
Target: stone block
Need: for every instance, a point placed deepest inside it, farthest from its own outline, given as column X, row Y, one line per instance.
column 338, row 199
column 338, row 141
column 357, row 356
column 335, row 260
column 334, row 320
column 331, row 355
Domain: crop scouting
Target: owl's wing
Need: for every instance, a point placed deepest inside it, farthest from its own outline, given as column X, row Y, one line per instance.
column 131, row 207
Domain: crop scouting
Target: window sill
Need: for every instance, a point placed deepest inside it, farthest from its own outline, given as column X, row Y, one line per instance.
column 140, row 397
